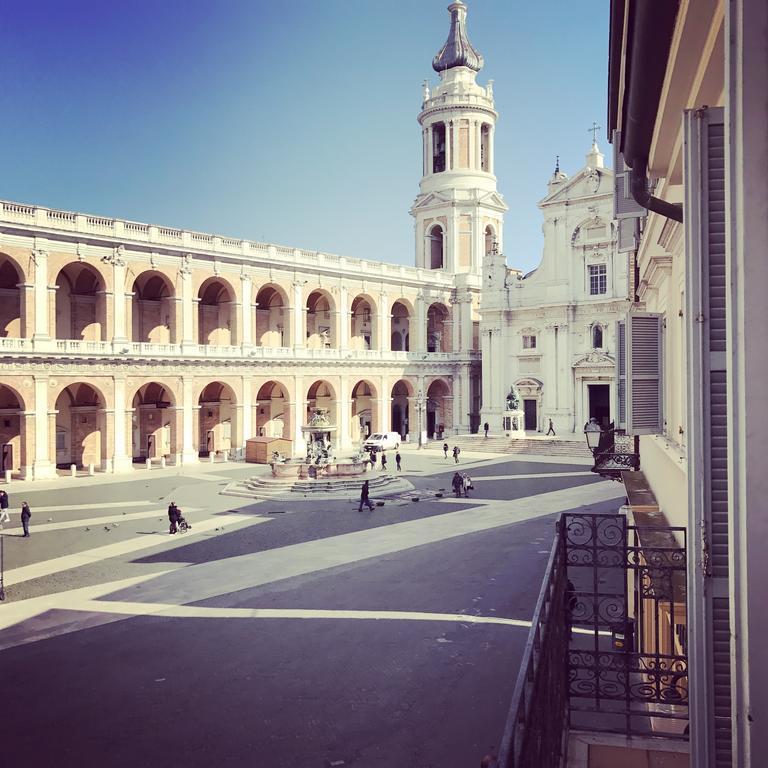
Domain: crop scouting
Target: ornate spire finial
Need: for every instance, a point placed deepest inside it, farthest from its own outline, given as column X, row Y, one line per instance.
column 593, row 130
column 557, row 164
column 457, row 51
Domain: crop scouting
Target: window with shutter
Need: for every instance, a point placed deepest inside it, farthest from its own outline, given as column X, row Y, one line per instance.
column 621, row 377
column 707, row 387
column 643, row 373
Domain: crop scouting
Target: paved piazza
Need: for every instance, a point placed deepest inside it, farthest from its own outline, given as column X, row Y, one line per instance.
column 274, row 634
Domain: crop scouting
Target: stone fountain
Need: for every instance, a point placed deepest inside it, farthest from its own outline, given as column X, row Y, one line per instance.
column 319, row 471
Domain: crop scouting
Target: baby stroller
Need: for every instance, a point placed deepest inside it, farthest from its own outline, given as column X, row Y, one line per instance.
column 181, row 522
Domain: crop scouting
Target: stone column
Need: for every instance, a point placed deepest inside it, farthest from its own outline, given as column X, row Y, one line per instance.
column 448, row 144
column 345, row 319
column 384, row 405
column 430, row 144
column 247, row 315
column 384, row 323
column 420, row 340
column 467, row 325
column 344, row 411
column 119, row 295
column 246, row 415
column 299, row 332
column 457, row 310
column 476, row 145
column 41, row 327
column 121, row 461
column 491, row 148
column 188, row 331
column 298, row 416
column 463, row 402
column 43, row 468
column 188, row 452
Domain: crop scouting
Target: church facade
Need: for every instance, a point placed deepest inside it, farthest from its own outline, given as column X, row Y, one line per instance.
column 124, row 343
column 551, row 334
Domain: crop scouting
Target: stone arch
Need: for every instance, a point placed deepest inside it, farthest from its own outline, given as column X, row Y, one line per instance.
column 217, row 313
column 155, row 422
column 153, row 311
column 363, row 331
column 402, row 313
column 321, row 396
column 490, row 239
column 273, row 317
column 321, row 320
column 439, row 408
column 439, row 327
column 273, row 410
column 81, row 427
column 364, row 419
column 81, row 307
column 401, row 394
column 13, row 437
column 436, row 241
column 217, row 420
column 12, row 298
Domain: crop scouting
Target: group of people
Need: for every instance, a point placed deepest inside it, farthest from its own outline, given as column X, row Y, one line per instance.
column 5, row 517
column 461, row 483
column 398, row 460
column 456, row 451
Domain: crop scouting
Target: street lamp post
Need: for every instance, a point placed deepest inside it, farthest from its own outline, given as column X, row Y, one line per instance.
column 420, row 409
column 592, row 432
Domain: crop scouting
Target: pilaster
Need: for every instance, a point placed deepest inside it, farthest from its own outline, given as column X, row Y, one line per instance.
column 43, row 468
column 121, row 461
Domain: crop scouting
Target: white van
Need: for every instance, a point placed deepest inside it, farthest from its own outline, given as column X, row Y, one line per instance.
column 382, row 441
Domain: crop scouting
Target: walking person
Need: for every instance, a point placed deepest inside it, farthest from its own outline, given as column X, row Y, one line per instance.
column 26, row 513
column 372, row 457
column 173, row 517
column 457, row 484
column 445, row 449
column 551, row 430
column 364, row 499
column 456, row 452
column 485, row 429
column 4, row 516
column 398, row 459
column 466, row 481
column 383, row 461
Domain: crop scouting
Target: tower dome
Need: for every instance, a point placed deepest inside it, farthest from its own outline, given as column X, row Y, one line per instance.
column 457, row 51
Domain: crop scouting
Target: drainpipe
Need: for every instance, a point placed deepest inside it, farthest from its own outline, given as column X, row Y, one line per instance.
column 639, row 190
column 649, row 37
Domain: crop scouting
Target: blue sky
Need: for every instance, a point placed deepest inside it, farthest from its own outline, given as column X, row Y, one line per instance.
column 291, row 122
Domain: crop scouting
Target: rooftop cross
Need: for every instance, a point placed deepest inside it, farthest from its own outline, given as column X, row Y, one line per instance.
column 593, row 130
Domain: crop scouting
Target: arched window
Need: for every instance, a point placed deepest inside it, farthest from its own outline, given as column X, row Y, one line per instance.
column 490, row 239
column 436, row 248
column 438, row 147
column 597, row 336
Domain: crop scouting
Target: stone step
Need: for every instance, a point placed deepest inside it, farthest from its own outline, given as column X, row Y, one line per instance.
column 535, row 446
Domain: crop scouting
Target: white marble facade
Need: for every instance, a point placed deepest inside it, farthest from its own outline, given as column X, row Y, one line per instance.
column 551, row 332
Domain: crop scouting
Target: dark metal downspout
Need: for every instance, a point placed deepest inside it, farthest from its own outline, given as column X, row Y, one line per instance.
column 639, row 190
column 651, row 26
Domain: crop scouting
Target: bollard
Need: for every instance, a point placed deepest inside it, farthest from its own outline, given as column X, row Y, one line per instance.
column 73, row 470
column 162, row 462
column 211, row 457
column 91, row 469
column 225, row 456
column 7, row 475
column 149, row 463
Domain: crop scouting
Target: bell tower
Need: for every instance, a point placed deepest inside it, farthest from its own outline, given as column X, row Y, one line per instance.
column 458, row 212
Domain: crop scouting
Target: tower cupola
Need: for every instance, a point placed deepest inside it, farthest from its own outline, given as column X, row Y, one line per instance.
column 457, row 51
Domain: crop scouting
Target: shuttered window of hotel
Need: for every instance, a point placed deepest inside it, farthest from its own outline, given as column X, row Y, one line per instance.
column 643, row 373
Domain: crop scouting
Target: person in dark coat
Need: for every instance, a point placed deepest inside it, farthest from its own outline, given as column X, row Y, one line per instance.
column 383, row 460
column 372, row 457
column 398, row 459
column 551, row 430
column 4, row 516
column 456, row 452
column 26, row 513
column 486, row 428
column 458, row 484
column 173, row 517
column 445, row 449
column 364, row 498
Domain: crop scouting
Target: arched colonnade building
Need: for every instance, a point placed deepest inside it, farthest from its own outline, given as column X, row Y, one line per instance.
column 122, row 342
